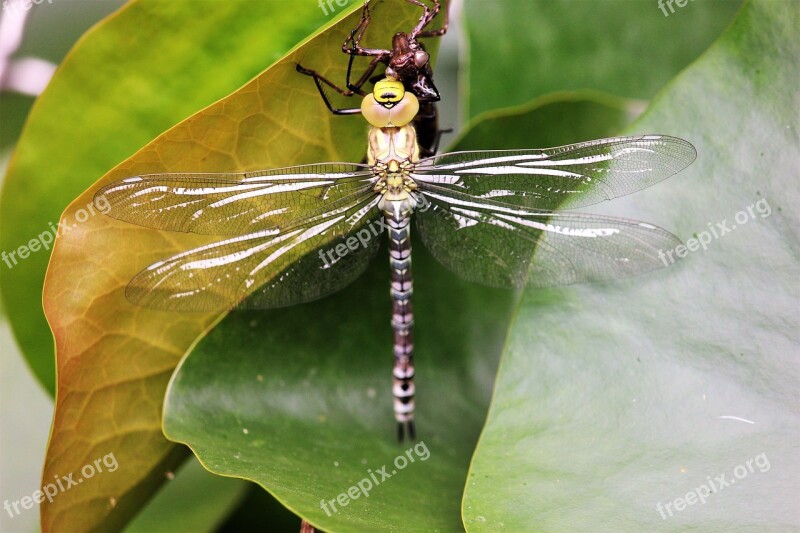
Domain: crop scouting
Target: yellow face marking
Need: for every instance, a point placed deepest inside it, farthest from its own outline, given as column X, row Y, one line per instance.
column 388, row 91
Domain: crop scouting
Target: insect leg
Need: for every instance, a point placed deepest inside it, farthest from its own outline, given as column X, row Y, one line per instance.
column 319, row 80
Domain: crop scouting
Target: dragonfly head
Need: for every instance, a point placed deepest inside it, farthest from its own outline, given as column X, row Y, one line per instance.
column 389, row 105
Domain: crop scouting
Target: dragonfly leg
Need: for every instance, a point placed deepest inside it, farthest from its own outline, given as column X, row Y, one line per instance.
column 356, row 87
column 402, row 325
column 321, row 81
column 352, row 45
column 439, row 134
column 427, row 17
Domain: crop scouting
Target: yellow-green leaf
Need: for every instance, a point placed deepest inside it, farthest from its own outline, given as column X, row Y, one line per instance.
column 113, row 359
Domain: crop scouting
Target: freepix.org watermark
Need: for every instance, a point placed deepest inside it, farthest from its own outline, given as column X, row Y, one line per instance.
column 712, row 486
column 46, row 238
column 61, row 484
column 363, row 237
column 664, row 4
column 715, row 231
column 326, row 5
column 363, row 487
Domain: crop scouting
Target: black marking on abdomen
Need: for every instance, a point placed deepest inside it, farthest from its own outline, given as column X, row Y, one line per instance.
column 402, row 321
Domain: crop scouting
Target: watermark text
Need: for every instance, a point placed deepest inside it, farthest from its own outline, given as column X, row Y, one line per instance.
column 712, row 486
column 715, row 231
column 664, row 4
column 326, row 5
column 374, row 478
column 362, row 237
column 61, row 484
column 46, row 238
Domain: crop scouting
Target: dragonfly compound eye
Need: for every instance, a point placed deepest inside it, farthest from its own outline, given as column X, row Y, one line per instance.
column 397, row 115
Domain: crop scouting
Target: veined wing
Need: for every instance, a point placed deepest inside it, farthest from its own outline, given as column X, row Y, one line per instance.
column 230, row 204
column 502, row 246
column 565, row 177
column 268, row 268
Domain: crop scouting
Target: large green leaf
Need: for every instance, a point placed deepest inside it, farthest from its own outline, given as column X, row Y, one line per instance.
column 621, row 405
column 523, row 49
column 144, row 69
column 259, row 511
column 193, row 500
column 555, row 119
column 299, row 400
column 114, row 360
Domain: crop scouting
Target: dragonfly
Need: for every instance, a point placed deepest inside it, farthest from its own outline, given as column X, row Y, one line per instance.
column 407, row 61
column 497, row 217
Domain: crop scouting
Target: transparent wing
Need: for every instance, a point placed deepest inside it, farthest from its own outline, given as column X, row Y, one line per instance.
column 268, row 268
column 565, row 177
column 230, row 204
column 501, row 246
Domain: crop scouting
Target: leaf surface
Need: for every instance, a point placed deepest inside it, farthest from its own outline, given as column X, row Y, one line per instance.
column 524, row 49
column 299, row 400
column 113, row 359
column 625, row 404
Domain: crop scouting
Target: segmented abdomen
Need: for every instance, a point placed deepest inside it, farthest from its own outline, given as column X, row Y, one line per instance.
column 402, row 318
